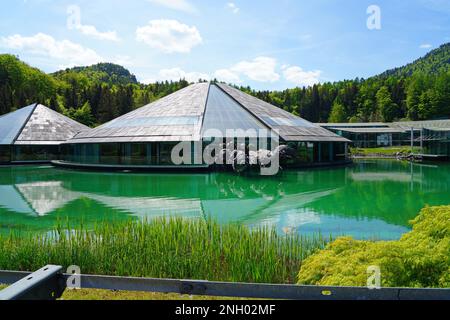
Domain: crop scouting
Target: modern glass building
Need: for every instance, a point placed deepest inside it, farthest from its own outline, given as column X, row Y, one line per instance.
column 436, row 143
column 145, row 138
column 34, row 134
column 372, row 135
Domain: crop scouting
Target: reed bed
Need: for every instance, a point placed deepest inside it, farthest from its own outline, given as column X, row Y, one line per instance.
column 165, row 248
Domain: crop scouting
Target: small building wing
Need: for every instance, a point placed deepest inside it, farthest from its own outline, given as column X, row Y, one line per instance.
column 37, row 125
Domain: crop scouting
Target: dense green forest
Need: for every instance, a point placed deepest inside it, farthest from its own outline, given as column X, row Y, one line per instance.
column 90, row 95
column 96, row 94
column 417, row 91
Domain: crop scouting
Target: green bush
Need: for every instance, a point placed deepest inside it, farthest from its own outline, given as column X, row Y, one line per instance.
column 421, row 258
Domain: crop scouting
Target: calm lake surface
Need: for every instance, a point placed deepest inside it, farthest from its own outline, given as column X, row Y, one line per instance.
column 371, row 199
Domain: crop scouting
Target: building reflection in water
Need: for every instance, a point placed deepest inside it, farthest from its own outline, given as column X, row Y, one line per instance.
column 371, row 199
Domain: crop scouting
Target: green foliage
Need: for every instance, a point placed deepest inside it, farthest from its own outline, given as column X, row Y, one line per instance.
column 382, row 151
column 385, row 104
column 338, row 114
column 418, row 91
column 108, row 90
column 109, row 73
column 21, row 85
column 82, row 115
column 421, row 258
column 165, row 248
column 435, row 62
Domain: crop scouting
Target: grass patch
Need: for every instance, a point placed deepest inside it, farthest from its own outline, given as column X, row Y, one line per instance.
column 165, row 248
column 101, row 295
column 94, row 294
column 382, row 151
column 421, row 258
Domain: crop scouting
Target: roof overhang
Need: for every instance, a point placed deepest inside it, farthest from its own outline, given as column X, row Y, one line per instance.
column 370, row 130
column 36, row 143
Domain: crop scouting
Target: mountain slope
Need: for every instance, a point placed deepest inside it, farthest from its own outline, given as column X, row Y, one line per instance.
column 103, row 72
column 436, row 61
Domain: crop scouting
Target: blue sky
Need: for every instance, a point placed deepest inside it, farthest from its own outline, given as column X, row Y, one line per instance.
column 264, row 44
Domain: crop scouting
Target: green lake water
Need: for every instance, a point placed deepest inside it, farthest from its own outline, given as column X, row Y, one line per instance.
column 371, row 199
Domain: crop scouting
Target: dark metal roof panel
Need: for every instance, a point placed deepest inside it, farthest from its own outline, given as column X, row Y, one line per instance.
column 178, row 116
column 46, row 126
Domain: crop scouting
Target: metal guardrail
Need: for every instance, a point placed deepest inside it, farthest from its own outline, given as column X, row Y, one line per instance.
column 49, row 283
column 44, row 284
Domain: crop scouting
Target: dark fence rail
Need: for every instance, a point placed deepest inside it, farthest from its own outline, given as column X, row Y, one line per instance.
column 49, row 283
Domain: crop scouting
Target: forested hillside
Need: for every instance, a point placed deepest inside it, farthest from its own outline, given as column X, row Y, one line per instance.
column 418, row 91
column 435, row 62
column 96, row 94
column 91, row 95
column 109, row 73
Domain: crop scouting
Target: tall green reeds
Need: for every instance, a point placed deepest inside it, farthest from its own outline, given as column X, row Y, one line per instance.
column 166, row 248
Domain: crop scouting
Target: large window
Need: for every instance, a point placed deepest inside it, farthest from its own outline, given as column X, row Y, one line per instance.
column 5, row 154
column 136, row 154
column 90, row 153
column 340, row 151
column 304, row 151
column 110, row 153
column 35, row 153
column 165, row 153
column 325, row 152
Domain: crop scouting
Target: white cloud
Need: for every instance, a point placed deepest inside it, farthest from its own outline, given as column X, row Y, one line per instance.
column 227, row 76
column 74, row 23
column 261, row 69
column 93, row 32
column 426, row 46
column 180, row 5
column 176, row 74
column 169, row 36
column 300, row 77
column 72, row 54
column 232, row 6
column 122, row 60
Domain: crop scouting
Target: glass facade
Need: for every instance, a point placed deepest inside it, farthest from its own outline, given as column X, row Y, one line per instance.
column 32, row 153
column 124, row 154
column 5, row 154
column 318, row 152
column 374, row 140
column 437, row 143
column 160, row 153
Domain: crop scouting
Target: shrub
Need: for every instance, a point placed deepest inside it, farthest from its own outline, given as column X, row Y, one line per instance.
column 421, row 258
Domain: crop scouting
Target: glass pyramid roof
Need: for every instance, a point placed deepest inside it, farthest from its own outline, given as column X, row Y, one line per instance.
column 223, row 113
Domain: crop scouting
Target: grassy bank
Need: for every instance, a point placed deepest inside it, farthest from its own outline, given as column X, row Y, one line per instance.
column 421, row 258
column 172, row 248
column 386, row 152
column 102, row 295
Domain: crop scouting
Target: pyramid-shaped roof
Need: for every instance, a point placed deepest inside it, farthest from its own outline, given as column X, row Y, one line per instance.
column 176, row 117
column 289, row 126
column 37, row 124
column 188, row 114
